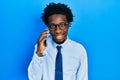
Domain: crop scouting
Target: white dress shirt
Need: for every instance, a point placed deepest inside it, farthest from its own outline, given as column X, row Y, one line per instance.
column 74, row 62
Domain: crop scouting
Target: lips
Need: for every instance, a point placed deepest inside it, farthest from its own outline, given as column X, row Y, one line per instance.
column 59, row 36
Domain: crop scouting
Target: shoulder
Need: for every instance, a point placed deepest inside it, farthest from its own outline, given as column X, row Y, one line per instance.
column 77, row 47
column 76, row 44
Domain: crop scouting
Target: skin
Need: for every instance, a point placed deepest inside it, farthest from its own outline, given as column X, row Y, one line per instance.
column 58, row 35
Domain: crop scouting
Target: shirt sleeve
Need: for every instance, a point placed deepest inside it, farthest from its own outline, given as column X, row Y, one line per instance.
column 82, row 73
column 36, row 66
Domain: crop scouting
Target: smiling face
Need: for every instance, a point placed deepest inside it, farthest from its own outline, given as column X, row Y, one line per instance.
column 60, row 31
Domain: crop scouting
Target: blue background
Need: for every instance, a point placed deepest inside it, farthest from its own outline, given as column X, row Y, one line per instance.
column 96, row 25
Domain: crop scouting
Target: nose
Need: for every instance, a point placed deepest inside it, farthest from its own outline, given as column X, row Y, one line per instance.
column 57, row 30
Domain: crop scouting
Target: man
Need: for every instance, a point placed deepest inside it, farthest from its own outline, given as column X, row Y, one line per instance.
column 58, row 58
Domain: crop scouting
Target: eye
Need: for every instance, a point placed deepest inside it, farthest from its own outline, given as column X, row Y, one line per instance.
column 52, row 26
column 63, row 24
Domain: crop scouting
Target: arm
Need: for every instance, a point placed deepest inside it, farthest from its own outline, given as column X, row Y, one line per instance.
column 35, row 69
column 82, row 73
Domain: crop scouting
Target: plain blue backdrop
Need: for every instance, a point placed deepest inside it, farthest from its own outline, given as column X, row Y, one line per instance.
column 96, row 25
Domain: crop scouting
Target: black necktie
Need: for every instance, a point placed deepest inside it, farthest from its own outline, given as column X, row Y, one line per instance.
column 58, row 65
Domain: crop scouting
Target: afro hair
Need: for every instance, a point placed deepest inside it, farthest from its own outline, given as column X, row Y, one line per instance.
column 57, row 8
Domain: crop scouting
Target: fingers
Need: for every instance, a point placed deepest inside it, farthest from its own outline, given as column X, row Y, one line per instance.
column 44, row 36
column 43, row 40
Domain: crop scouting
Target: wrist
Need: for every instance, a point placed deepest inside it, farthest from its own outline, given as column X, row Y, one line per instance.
column 39, row 53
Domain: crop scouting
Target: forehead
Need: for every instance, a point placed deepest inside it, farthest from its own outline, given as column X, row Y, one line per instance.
column 57, row 18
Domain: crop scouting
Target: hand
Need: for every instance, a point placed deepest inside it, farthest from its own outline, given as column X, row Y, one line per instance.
column 42, row 42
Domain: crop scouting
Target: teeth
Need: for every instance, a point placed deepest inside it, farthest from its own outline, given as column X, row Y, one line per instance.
column 59, row 37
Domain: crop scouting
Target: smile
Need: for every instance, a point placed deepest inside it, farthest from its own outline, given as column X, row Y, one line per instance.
column 59, row 36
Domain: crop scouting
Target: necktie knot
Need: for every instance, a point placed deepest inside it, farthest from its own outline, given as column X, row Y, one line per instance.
column 59, row 48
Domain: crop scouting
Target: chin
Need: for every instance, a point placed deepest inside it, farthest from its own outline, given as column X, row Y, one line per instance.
column 60, row 41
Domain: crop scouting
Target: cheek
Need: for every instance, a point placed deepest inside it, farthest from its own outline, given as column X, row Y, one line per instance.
column 52, row 32
column 64, row 32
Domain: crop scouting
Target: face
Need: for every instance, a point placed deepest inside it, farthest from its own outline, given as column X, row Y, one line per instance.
column 58, row 27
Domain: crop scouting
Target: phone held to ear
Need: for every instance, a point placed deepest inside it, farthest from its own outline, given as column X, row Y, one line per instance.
column 47, row 35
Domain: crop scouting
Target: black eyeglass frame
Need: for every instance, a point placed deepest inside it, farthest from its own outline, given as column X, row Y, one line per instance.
column 62, row 26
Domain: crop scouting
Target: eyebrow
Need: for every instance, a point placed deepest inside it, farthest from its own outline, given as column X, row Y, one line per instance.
column 57, row 24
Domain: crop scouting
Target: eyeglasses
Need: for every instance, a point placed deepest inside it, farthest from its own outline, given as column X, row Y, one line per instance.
column 62, row 26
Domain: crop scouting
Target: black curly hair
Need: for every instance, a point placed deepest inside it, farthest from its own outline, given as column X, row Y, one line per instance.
column 57, row 8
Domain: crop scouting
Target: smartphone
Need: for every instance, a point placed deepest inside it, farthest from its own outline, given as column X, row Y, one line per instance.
column 47, row 32
column 46, row 36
